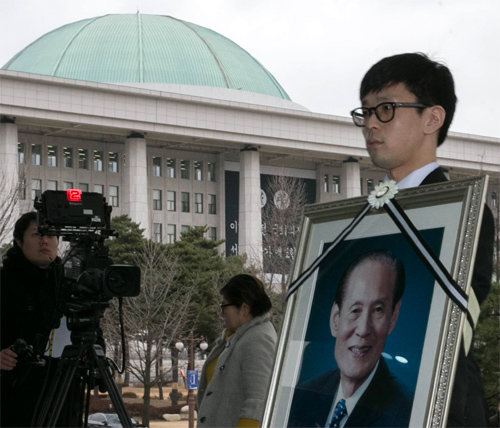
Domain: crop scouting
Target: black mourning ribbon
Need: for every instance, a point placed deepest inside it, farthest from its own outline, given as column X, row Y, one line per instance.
column 410, row 232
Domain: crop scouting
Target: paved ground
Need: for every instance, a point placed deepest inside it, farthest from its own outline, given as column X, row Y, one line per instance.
column 179, row 424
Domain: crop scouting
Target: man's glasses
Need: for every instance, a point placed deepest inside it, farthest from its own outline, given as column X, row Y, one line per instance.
column 383, row 111
column 224, row 305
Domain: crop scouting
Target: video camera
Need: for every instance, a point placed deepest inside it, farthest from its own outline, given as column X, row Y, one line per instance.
column 83, row 219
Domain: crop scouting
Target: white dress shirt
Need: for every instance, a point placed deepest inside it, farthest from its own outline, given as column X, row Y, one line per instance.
column 350, row 403
column 415, row 178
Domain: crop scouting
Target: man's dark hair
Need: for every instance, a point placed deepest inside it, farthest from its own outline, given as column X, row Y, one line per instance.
column 247, row 289
column 382, row 256
column 430, row 82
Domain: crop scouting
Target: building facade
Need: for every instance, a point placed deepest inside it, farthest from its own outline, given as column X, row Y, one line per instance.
column 163, row 151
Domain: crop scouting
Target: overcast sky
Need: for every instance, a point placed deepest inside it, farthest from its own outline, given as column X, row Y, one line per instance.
column 317, row 49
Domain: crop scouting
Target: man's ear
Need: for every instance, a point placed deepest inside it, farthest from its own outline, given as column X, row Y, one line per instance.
column 394, row 317
column 435, row 116
column 18, row 242
column 334, row 319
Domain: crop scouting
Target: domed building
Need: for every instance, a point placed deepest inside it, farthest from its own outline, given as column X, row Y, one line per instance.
column 176, row 125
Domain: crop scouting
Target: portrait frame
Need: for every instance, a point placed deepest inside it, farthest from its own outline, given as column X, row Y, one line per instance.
column 448, row 217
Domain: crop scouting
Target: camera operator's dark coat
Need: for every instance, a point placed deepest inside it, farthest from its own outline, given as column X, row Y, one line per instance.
column 29, row 310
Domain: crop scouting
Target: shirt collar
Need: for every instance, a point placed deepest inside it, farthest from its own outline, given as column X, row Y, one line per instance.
column 415, row 178
column 350, row 403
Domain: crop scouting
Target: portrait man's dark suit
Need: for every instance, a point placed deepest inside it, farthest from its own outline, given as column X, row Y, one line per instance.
column 385, row 403
column 467, row 396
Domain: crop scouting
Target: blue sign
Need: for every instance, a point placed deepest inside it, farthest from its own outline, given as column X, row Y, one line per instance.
column 192, row 379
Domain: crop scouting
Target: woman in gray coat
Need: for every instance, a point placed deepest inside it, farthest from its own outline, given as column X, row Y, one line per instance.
column 235, row 377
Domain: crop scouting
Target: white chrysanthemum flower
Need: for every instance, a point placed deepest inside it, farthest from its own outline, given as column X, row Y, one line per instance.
column 382, row 193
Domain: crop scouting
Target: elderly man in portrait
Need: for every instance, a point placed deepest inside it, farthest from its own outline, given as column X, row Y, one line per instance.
column 361, row 392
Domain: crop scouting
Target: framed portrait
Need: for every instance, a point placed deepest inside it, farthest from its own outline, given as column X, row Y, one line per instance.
column 416, row 349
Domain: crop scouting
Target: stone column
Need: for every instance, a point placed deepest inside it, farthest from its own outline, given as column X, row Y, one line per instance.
column 250, row 218
column 136, row 190
column 9, row 177
column 221, row 198
column 351, row 185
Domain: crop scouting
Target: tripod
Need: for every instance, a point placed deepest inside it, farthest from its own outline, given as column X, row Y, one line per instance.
column 84, row 359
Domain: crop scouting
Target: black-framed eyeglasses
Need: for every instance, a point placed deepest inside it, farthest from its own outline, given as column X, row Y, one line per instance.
column 224, row 305
column 384, row 112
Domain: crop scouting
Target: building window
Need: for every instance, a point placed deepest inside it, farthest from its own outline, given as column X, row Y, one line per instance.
column 113, row 162
column 51, row 184
column 184, row 228
column 210, row 171
column 170, row 168
column 36, row 154
column 170, row 233
column 68, row 157
column 157, row 232
column 185, row 202
column 157, row 166
column 83, row 159
column 198, row 203
column 20, row 152
column 185, row 169
column 36, row 188
column 84, row 187
column 67, row 185
column 99, row 188
column 113, row 196
column 494, row 199
column 51, row 155
column 22, row 189
column 156, row 199
column 212, row 204
column 98, row 160
column 369, row 185
column 212, row 233
column 198, row 170
column 326, row 183
column 170, row 200
column 336, row 184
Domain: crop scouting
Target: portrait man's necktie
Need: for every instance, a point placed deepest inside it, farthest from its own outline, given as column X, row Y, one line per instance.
column 339, row 412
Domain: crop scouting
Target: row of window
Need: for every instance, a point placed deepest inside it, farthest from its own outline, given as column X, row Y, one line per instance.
column 185, row 202
column 70, row 157
column 36, row 189
column 334, row 184
column 184, row 168
column 171, row 237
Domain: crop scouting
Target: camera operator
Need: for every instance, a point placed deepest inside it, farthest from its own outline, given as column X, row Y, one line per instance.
column 30, row 292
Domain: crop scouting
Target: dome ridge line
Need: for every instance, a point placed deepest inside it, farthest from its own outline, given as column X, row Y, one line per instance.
column 210, row 48
column 141, row 45
column 70, row 42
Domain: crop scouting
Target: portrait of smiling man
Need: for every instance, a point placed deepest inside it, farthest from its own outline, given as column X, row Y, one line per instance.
column 361, row 391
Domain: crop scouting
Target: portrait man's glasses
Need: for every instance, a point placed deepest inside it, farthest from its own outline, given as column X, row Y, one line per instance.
column 383, row 111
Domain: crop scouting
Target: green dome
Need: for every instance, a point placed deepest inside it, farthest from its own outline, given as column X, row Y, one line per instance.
column 137, row 48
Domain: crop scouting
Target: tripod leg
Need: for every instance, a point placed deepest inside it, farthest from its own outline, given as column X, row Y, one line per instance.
column 114, row 394
column 54, row 398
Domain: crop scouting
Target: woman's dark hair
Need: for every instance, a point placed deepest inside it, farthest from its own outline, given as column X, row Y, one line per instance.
column 247, row 289
column 20, row 227
column 22, row 224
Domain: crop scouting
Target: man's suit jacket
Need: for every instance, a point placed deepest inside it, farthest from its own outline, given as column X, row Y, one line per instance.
column 468, row 406
column 385, row 403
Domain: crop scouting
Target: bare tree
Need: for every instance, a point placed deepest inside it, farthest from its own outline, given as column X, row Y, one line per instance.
column 155, row 317
column 281, row 218
column 9, row 196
